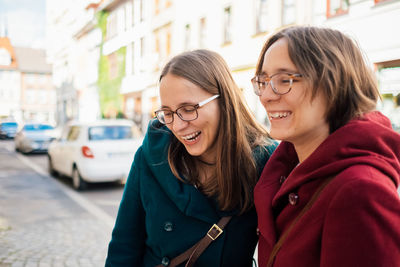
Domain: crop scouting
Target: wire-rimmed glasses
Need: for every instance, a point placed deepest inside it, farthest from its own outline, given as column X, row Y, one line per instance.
column 281, row 83
column 185, row 112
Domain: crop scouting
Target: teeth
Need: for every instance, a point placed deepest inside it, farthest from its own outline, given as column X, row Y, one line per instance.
column 191, row 136
column 279, row 115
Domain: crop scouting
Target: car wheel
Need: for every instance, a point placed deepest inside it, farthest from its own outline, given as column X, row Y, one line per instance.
column 77, row 181
column 50, row 166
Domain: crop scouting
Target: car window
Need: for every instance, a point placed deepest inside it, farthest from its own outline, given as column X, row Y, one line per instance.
column 9, row 124
column 37, row 127
column 110, row 132
column 73, row 133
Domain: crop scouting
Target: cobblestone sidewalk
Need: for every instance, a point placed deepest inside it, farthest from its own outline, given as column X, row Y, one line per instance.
column 41, row 226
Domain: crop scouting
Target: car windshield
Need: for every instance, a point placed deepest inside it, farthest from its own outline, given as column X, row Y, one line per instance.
column 9, row 124
column 110, row 132
column 37, row 127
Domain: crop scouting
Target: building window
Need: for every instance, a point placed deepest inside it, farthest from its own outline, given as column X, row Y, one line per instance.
column 187, row 37
column 133, row 12
column 42, row 96
column 125, row 19
column 42, row 79
column 30, row 79
column 337, row 7
column 154, row 105
column 261, row 16
column 141, row 10
column 5, row 57
column 162, row 44
column 202, row 32
column 168, row 45
column 113, row 61
column 137, row 110
column 157, row 43
column 133, row 58
column 142, row 45
column 227, row 25
column 112, row 25
column 288, row 12
column 156, row 7
column 30, row 96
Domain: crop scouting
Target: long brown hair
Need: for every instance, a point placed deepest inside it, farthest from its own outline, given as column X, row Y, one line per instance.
column 235, row 172
column 332, row 62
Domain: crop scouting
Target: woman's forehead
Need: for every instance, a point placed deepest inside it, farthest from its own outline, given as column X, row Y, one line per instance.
column 277, row 59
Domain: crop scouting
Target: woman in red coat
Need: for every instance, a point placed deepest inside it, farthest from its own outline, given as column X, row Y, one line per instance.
column 320, row 97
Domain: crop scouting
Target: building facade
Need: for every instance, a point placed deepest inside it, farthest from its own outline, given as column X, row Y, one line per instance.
column 37, row 94
column 26, row 88
column 373, row 24
column 10, row 79
column 72, row 47
column 139, row 37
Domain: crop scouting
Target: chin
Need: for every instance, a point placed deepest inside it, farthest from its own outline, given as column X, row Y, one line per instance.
column 277, row 136
column 193, row 152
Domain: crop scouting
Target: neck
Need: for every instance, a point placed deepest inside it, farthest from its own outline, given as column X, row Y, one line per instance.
column 304, row 148
column 205, row 162
column 205, row 169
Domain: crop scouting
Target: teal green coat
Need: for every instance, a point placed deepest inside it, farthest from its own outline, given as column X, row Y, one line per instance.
column 160, row 217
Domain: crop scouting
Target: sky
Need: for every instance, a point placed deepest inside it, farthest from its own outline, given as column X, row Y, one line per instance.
column 26, row 21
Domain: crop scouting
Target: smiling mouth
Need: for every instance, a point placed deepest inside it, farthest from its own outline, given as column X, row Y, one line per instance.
column 279, row 115
column 191, row 137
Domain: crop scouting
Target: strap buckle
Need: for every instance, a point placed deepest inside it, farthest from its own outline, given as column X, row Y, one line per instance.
column 214, row 232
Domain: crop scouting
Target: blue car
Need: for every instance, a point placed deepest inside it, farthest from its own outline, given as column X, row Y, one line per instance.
column 8, row 130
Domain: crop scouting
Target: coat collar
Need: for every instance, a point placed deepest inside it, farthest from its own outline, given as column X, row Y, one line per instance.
column 282, row 161
column 186, row 197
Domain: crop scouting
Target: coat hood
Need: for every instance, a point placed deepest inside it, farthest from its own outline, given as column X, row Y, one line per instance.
column 368, row 140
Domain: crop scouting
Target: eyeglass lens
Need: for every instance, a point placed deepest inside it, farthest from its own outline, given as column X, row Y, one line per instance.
column 186, row 113
column 280, row 83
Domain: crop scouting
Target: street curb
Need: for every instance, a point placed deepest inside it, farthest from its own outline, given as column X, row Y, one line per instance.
column 83, row 202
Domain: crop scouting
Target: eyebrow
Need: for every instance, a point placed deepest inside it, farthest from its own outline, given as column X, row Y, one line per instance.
column 180, row 105
column 280, row 70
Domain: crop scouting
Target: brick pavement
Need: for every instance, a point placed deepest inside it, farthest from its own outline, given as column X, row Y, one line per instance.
column 41, row 226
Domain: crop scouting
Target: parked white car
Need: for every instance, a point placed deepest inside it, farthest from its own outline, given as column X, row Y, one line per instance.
column 100, row 151
column 34, row 138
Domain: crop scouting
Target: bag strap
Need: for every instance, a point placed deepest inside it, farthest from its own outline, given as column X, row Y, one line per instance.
column 283, row 237
column 193, row 253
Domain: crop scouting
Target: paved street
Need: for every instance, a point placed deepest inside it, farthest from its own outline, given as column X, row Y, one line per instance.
column 104, row 195
column 43, row 222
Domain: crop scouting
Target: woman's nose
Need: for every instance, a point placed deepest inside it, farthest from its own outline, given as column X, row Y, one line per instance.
column 268, row 95
column 178, row 123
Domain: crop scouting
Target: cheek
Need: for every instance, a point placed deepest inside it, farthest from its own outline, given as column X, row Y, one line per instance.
column 169, row 126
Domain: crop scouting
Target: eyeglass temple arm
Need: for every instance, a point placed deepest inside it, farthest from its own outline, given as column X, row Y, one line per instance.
column 202, row 103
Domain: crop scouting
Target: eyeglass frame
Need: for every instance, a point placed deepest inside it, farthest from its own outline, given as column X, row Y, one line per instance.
column 195, row 107
column 257, row 83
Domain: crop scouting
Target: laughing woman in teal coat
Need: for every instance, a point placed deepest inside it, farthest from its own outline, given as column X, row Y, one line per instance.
column 199, row 162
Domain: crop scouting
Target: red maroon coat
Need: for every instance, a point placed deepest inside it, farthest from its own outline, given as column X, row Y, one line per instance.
column 356, row 219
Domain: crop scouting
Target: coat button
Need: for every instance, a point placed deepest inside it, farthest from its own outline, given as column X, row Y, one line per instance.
column 282, row 179
column 165, row 261
column 293, row 199
column 168, row 226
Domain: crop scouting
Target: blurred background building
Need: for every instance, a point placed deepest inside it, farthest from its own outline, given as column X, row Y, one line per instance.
column 106, row 55
column 26, row 88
